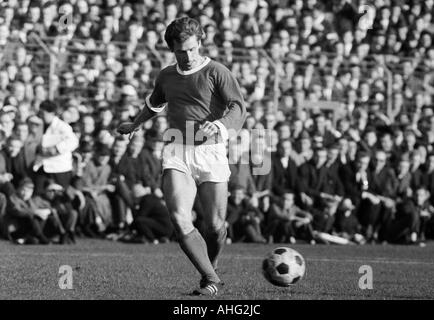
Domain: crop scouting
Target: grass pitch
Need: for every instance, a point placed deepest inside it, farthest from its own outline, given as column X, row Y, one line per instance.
column 109, row 270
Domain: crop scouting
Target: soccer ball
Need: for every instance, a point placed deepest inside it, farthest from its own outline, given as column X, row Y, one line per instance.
column 283, row 267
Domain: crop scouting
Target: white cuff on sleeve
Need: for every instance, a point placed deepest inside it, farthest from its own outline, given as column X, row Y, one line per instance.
column 223, row 130
column 155, row 109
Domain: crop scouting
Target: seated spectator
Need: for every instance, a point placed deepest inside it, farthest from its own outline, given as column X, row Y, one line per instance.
column 151, row 158
column 379, row 203
column 128, row 172
column 346, row 224
column 30, row 218
column 285, row 171
column 239, row 165
column 151, row 220
column 410, row 221
column 61, row 202
column 286, row 221
column 243, row 219
column 3, row 224
column 96, row 187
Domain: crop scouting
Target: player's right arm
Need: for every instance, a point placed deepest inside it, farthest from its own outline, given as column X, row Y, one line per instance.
column 154, row 103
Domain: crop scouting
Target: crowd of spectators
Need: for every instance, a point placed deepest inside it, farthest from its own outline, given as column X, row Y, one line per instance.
column 363, row 171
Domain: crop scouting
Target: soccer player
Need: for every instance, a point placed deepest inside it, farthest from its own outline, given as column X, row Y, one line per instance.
column 204, row 105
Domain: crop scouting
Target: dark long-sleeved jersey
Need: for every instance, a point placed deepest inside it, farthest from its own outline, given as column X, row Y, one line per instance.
column 208, row 92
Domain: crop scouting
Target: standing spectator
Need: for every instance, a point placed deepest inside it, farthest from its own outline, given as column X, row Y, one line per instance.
column 54, row 156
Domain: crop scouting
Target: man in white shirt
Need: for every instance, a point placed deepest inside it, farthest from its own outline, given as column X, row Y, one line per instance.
column 54, row 154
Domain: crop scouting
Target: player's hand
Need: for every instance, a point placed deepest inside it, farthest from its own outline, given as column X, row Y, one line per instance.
column 209, row 129
column 126, row 128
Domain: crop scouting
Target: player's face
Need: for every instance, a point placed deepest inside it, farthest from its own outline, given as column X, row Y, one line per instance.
column 187, row 53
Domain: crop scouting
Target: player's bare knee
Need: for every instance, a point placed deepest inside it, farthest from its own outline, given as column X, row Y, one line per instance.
column 182, row 223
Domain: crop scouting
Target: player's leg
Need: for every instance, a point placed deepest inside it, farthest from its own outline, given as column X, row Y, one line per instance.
column 179, row 193
column 214, row 197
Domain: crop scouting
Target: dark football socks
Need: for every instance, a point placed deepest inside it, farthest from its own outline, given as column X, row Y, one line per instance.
column 215, row 241
column 194, row 247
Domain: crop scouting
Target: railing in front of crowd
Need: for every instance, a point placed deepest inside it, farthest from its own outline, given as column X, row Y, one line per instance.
column 62, row 52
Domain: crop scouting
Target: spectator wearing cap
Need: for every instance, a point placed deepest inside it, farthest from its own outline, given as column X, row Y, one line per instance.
column 63, row 209
column 54, row 155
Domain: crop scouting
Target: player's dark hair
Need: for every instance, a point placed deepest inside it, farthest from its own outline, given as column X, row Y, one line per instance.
column 181, row 29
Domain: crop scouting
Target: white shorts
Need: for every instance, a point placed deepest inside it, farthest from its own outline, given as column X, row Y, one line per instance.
column 205, row 163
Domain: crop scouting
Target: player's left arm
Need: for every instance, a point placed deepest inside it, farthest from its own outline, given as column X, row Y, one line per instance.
column 230, row 92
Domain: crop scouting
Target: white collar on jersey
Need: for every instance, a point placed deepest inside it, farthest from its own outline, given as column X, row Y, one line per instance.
column 199, row 67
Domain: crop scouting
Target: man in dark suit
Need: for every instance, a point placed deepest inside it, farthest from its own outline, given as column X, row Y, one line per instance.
column 383, row 187
column 410, row 221
column 151, row 158
column 128, row 171
column 313, row 177
column 285, row 175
